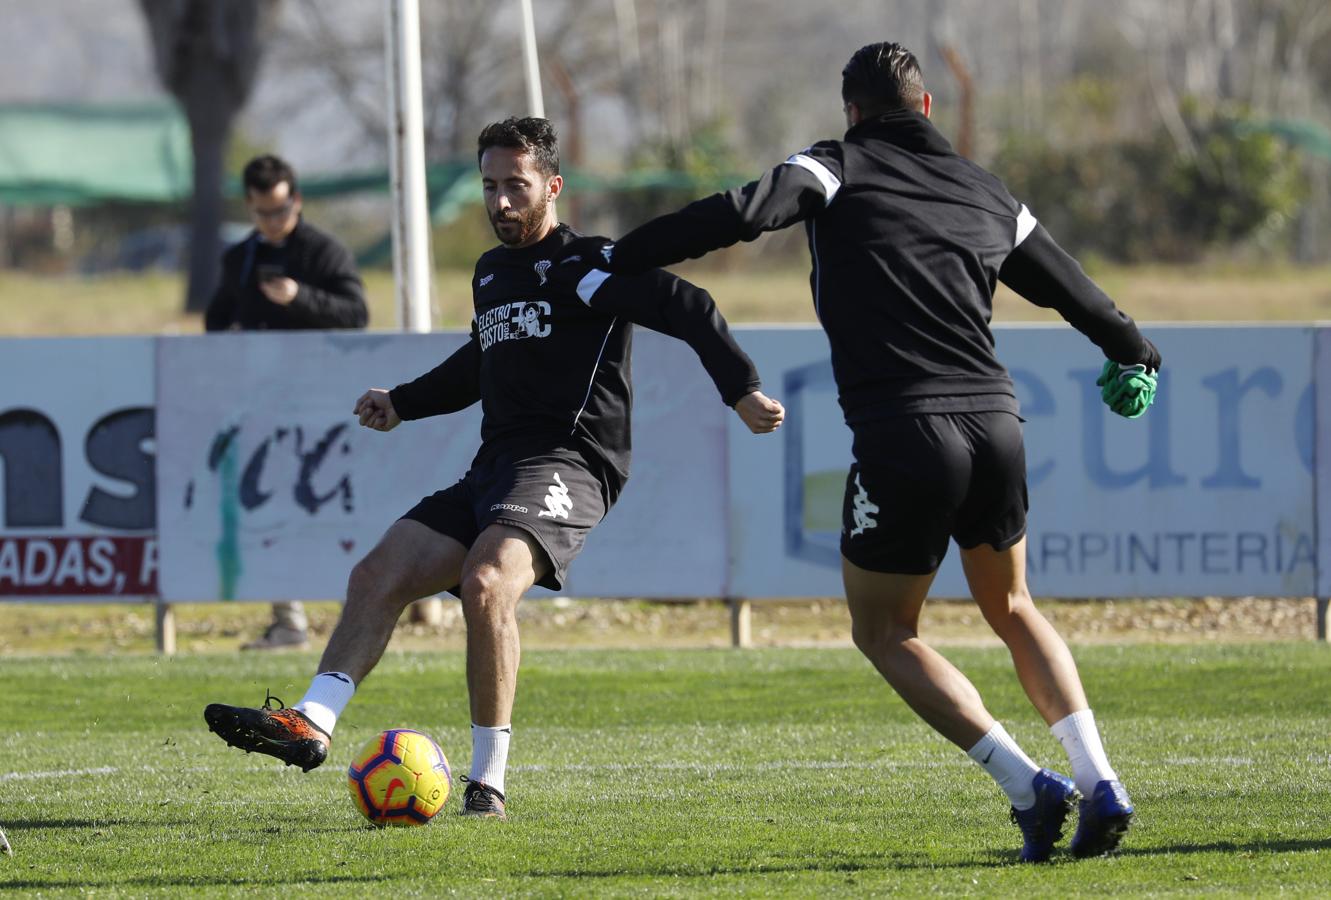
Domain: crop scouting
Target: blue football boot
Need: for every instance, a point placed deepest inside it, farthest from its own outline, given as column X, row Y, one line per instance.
column 1042, row 825
column 1104, row 819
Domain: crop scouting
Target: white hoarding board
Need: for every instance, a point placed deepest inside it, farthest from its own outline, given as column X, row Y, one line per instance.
column 77, row 456
column 666, row 537
column 1211, row 493
column 270, row 490
column 268, row 487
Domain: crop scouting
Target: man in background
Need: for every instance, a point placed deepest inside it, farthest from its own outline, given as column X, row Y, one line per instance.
column 286, row 275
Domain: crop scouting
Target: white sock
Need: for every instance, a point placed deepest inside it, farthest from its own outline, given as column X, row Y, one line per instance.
column 998, row 754
column 489, row 754
column 1081, row 740
column 329, row 694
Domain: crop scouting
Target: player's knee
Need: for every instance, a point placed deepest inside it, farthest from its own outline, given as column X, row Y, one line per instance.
column 371, row 583
column 865, row 639
column 1009, row 611
column 881, row 638
column 484, row 593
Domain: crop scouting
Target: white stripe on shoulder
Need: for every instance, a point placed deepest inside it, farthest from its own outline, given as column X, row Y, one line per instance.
column 590, row 284
column 831, row 184
column 1025, row 225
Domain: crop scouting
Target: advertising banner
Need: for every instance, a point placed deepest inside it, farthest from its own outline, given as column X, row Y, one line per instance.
column 1322, row 456
column 262, row 486
column 1209, row 494
column 269, row 489
column 77, row 497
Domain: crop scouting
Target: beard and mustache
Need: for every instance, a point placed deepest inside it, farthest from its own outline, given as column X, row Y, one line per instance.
column 528, row 222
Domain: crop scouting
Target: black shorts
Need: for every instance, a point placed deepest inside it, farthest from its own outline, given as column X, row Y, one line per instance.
column 920, row 479
column 553, row 496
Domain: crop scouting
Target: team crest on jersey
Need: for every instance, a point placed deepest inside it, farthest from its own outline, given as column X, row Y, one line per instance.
column 514, row 321
column 557, row 502
column 542, row 267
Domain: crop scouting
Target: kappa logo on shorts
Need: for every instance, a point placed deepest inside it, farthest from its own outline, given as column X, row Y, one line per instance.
column 864, row 510
column 557, row 503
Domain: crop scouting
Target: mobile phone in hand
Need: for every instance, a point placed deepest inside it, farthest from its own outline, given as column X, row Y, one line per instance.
column 269, row 272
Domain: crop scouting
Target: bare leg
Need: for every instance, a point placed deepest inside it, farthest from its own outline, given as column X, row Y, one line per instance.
column 1044, row 665
column 409, row 562
column 885, row 616
column 502, row 564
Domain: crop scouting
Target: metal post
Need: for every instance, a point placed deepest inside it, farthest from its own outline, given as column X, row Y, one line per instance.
column 1322, row 603
column 406, row 143
column 166, row 628
column 741, row 622
column 411, row 215
column 535, row 99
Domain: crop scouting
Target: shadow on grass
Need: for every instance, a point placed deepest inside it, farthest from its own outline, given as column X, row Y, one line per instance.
column 994, row 859
column 846, row 867
column 1285, row 846
column 265, row 827
column 165, row 881
column 38, row 824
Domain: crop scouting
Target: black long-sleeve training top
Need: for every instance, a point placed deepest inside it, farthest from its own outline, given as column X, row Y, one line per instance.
column 908, row 241
column 331, row 293
column 549, row 354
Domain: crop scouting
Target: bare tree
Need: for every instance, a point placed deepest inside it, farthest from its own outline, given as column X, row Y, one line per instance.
column 207, row 53
column 463, row 68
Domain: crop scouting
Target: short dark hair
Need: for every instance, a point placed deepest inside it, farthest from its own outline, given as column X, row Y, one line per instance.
column 533, row 136
column 881, row 78
column 263, row 173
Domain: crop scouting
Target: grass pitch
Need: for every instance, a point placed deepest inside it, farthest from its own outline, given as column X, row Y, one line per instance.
column 784, row 772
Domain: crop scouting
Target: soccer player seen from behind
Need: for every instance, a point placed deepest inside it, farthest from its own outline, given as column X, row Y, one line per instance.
column 548, row 359
column 908, row 240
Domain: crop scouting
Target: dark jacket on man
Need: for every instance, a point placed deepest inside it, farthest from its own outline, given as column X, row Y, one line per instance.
column 331, row 293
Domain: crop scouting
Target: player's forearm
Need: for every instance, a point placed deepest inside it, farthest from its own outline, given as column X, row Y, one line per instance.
column 781, row 197
column 1047, row 276
column 733, row 373
column 729, row 367
column 697, row 229
column 690, row 314
column 452, row 385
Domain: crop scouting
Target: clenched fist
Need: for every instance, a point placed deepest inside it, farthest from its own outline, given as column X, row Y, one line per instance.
column 375, row 410
column 761, row 413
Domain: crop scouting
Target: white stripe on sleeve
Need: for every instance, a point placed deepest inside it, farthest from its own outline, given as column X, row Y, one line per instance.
column 590, row 284
column 1025, row 225
column 831, row 184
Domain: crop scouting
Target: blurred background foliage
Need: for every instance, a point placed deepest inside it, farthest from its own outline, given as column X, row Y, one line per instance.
column 1135, row 198
column 1193, row 132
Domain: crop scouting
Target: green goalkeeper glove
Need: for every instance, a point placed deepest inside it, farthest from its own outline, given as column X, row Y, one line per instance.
column 1127, row 390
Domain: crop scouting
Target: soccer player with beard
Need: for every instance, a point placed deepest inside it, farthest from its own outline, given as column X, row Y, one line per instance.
column 548, row 359
column 908, row 240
